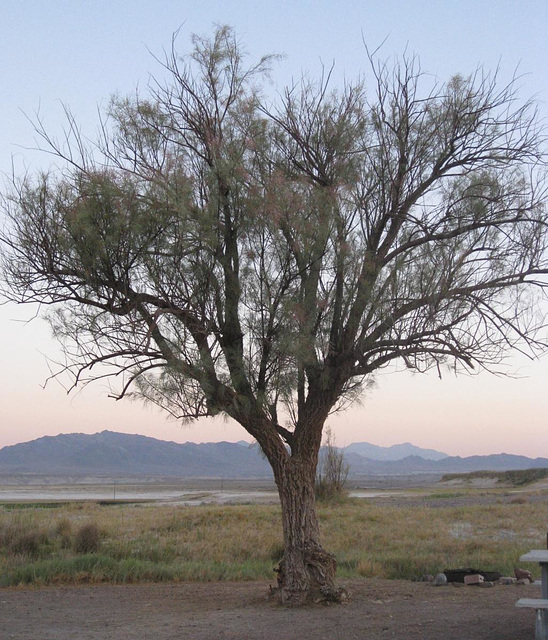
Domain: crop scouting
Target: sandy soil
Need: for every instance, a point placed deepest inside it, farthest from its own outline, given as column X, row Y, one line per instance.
column 241, row 611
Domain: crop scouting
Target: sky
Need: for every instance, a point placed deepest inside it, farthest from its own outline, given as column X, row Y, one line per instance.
column 78, row 53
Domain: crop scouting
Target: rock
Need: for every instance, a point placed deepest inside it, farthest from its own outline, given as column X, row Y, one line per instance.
column 523, row 574
column 475, row 578
column 507, row 580
column 440, row 579
column 427, row 578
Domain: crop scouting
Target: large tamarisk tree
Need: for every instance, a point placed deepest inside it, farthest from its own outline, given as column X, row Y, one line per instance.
column 217, row 254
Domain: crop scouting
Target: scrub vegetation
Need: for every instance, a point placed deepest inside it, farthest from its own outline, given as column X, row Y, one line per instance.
column 92, row 543
column 514, row 478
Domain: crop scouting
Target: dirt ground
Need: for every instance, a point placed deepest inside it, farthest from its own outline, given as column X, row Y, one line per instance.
column 241, row 611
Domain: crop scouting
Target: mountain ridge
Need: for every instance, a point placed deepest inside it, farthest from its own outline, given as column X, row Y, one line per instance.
column 394, row 452
column 116, row 454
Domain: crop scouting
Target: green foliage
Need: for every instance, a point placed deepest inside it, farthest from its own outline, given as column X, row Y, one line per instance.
column 223, row 255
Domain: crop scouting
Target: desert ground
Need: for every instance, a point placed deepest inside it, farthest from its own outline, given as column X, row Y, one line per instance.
column 242, row 611
column 377, row 608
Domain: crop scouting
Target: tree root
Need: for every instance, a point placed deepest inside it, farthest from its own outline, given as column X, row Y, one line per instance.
column 323, row 595
column 317, row 585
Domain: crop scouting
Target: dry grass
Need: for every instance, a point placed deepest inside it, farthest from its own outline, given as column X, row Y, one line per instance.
column 87, row 538
column 240, row 542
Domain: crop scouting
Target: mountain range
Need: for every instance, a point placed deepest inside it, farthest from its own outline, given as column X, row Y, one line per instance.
column 118, row 454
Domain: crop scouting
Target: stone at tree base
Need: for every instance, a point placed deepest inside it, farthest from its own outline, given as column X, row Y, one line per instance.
column 440, row 580
column 523, row 574
column 507, row 580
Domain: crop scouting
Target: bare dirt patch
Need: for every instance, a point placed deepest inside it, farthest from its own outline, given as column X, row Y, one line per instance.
column 241, row 611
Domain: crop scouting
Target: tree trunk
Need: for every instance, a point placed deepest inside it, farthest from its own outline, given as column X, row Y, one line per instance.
column 306, row 572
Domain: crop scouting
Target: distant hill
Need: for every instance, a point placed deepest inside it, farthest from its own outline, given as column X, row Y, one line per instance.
column 395, row 452
column 451, row 464
column 118, row 454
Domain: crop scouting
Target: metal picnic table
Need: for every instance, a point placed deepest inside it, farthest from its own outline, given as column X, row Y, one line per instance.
column 540, row 604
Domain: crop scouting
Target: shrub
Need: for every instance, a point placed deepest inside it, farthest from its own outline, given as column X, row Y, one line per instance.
column 64, row 530
column 26, row 543
column 332, row 471
column 87, row 539
column 18, row 540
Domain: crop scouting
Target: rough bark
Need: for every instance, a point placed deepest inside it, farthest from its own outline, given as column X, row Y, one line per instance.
column 306, row 572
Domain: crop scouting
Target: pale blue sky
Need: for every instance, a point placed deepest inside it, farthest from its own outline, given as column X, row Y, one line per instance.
column 79, row 52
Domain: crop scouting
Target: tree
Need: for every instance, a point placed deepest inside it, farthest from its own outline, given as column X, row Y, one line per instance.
column 215, row 255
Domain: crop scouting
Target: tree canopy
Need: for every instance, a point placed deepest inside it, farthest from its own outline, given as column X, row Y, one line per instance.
column 215, row 253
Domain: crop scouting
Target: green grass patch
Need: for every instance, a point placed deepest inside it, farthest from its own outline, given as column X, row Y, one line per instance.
column 13, row 506
column 444, row 495
column 90, row 568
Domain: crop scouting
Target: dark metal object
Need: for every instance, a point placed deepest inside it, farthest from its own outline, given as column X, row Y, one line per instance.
column 457, row 575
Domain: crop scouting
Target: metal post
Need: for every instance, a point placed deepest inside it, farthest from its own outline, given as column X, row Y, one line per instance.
column 542, row 620
column 539, row 626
